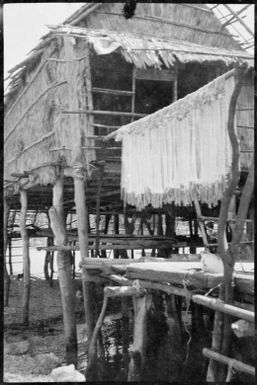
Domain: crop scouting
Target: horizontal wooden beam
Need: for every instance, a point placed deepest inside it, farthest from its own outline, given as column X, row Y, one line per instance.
column 237, row 365
column 110, row 113
column 220, row 306
column 124, row 291
column 112, row 91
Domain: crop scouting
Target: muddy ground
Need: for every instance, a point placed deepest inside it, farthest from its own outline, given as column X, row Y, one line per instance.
column 38, row 348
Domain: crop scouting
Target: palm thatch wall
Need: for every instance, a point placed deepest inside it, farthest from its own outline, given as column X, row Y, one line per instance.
column 37, row 133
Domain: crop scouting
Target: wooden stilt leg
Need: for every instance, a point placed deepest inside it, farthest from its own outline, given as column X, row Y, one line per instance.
column 106, row 227
column 10, row 255
column 116, row 231
column 64, row 273
column 6, row 275
column 137, row 354
column 125, row 331
column 153, row 252
column 173, row 321
column 80, row 201
column 161, row 252
column 142, row 233
column 26, row 259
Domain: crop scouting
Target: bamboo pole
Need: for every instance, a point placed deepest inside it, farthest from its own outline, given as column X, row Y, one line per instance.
column 237, row 365
column 26, row 259
column 107, row 113
column 6, row 275
column 57, row 221
column 218, row 305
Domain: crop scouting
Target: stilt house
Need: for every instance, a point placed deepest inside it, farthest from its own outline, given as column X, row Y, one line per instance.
column 88, row 77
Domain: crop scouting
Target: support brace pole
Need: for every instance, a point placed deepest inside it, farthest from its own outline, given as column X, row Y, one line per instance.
column 6, row 275
column 26, row 259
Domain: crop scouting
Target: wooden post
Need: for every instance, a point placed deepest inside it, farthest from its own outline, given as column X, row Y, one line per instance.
column 153, row 252
column 161, row 252
column 222, row 325
column 6, row 275
column 80, row 197
column 137, row 354
column 26, row 259
column 116, row 232
column 76, row 78
column 98, row 197
column 10, row 255
column 57, row 221
column 173, row 321
column 106, row 227
column 125, row 332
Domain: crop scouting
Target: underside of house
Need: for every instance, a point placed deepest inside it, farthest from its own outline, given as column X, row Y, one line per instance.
column 87, row 78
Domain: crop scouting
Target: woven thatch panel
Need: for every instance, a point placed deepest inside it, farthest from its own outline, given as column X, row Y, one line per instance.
column 35, row 127
column 190, row 22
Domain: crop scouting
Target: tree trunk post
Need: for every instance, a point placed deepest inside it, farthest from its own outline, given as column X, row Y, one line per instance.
column 6, row 275
column 222, row 323
column 81, row 209
column 56, row 215
column 25, row 254
column 142, row 306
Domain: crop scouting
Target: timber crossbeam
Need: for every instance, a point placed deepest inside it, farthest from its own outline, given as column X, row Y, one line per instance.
column 218, row 305
column 237, row 365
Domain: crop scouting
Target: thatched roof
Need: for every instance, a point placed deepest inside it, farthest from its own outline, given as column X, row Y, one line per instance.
column 146, row 51
column 154, row 52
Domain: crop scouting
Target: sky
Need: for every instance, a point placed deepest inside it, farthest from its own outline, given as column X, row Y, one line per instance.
column 25, row 23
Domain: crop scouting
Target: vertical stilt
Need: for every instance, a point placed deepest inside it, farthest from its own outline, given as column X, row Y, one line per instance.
column 10, row 255
column 106, row 227
column 170, row 229
column 137, row 354
column 142, row 233
column 153, row 252
column 6, row 275
column 57, row 221
column 116, row 231
column 173, row 321
column 80, row 201
column 26, row 259
column 125, row 332
column 161, row 252
column 98, row 198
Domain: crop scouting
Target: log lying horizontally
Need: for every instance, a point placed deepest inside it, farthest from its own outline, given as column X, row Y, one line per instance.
column 130, row 244
column 220, row 306
column 238, row 365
